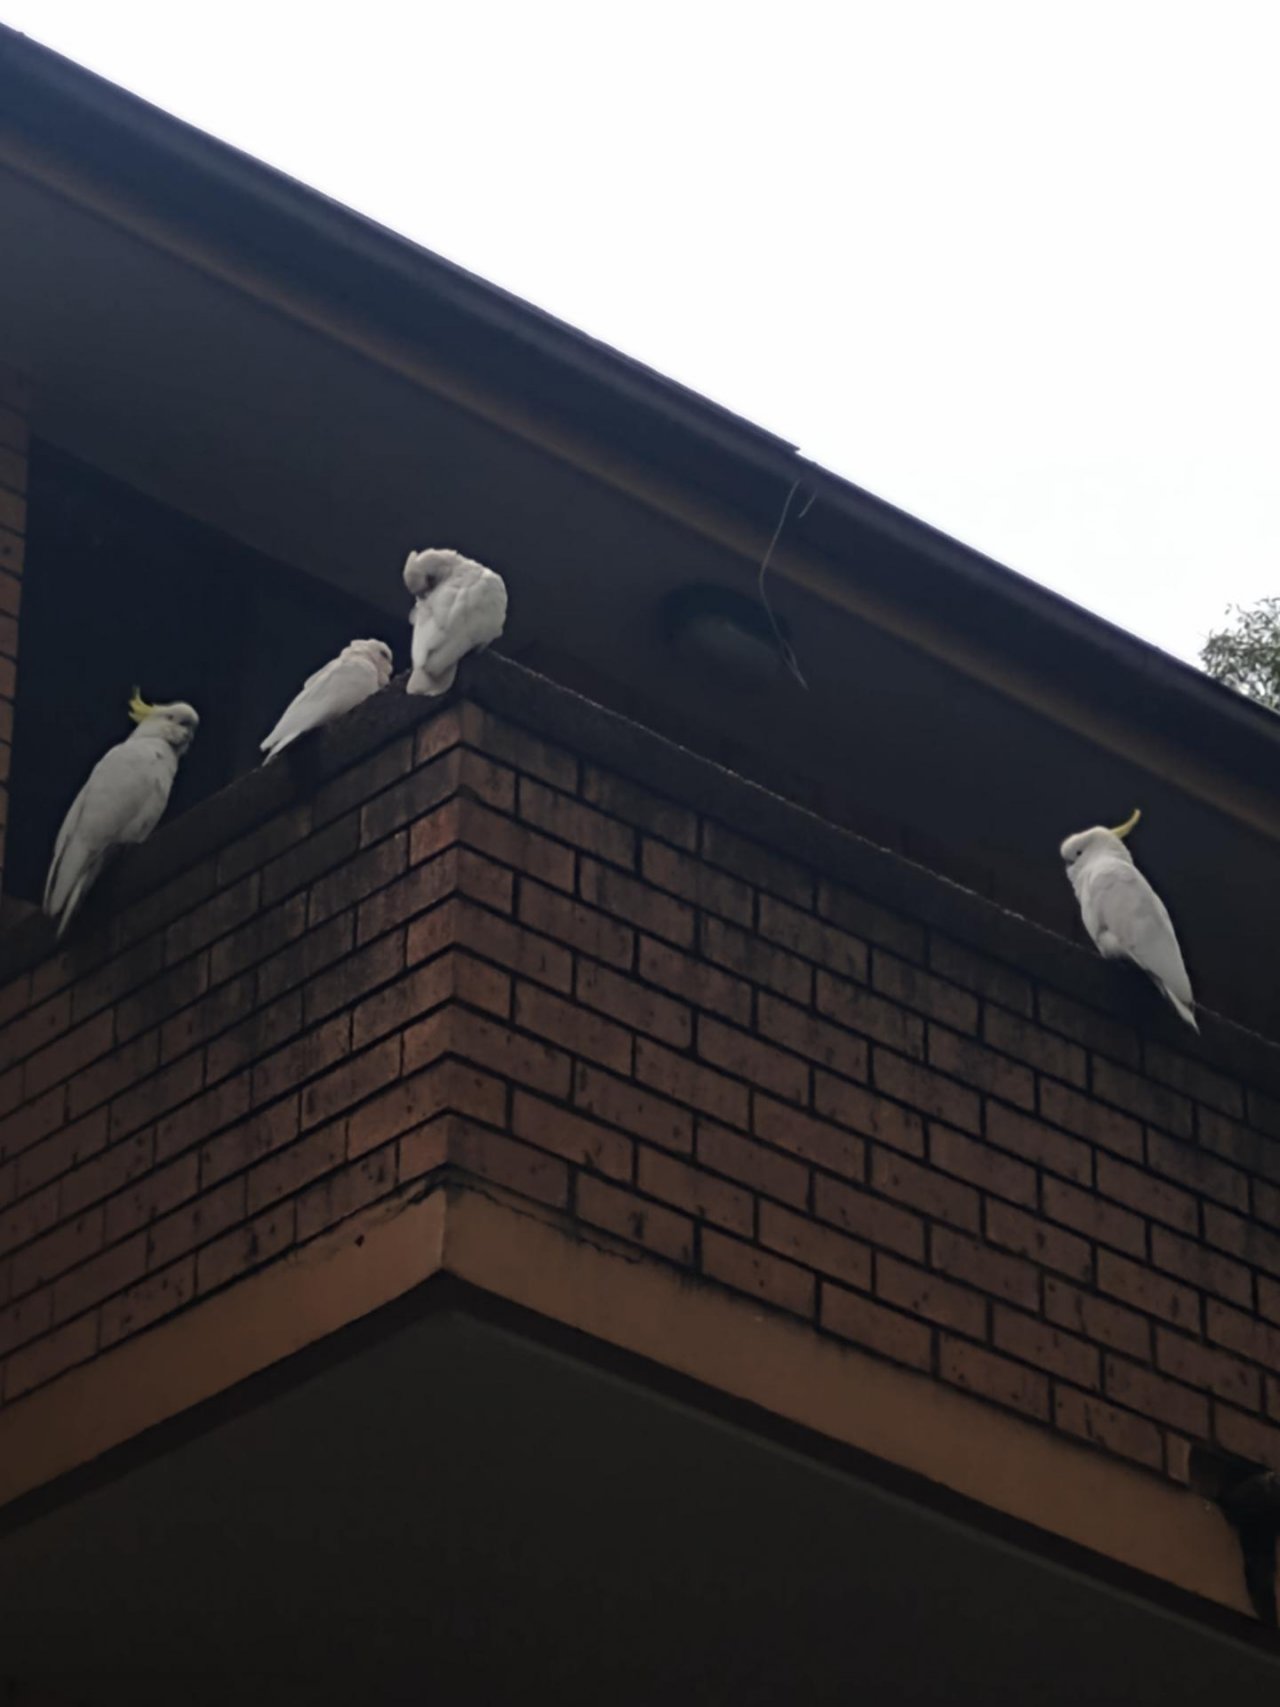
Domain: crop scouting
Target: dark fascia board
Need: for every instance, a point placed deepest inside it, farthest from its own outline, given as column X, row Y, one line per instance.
column 198, row 185
column 1124, row 1002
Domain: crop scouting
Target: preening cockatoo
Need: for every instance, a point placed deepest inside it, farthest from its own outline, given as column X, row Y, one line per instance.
column 459, row 607
column 122, row 802
column 360, row 669
column 1124, row 915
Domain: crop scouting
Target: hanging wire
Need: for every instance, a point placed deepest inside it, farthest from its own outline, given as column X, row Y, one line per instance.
column 784, row 645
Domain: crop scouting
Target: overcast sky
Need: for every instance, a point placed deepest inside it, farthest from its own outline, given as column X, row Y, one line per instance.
column 1012, row 266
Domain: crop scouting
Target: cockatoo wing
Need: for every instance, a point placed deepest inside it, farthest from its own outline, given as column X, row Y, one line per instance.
column 122, row 802
column 464, row 614
column 1125, row 916
column 339, row 687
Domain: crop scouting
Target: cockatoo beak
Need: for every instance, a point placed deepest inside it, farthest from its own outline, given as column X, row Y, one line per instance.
column 1122, row 830
column 139, row 710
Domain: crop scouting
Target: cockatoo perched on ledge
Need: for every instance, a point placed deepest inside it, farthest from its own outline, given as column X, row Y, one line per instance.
column 360, row 669
column 459, row 607
column 122, row 802
column 1124, row 915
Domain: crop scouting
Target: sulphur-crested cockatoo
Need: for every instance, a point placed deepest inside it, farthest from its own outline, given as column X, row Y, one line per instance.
column 1123, row 914
column 122, row 802
column 359, row 670
column 459, row 607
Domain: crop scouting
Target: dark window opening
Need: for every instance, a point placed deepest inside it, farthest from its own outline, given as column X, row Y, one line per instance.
column 120, row 590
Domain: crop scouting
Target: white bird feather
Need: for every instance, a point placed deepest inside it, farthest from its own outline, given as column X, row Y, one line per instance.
column 121, row 803
column 1122, row 913
column 459, row 607
column 360, row 670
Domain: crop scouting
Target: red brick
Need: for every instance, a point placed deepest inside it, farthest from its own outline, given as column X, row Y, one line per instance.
column 165, row 1002
column 1203, row 1268
column 149, row 1301
column 399, row 1004
column 861, row 1110
column 1194, row 1079
column 361, row 877
column 69, row 1147
column 578, row 926
column 1200, row 1173
column 1094, row 1217
column 1088, row 1119
column 1242, row 1333
column 748, row 1058
column 107, row 1173
column 1147, row 1195
column 1034, row 1341
column 516, row 1166
column 977, row 1265
column 198, row 1120
column 451, row 727
column 214, row 918
column 1146, row 1290
column 367, row 969
column 624, row 1104
column 351, row 787
column 1253, row 1151
column 814, row 1246
column 526, row 752
column 198, row 1221
column 828, row 1045
column 624, row 800
column 926, row 1091
column 30, row 1028
column 286, row 830
column 685, row 1081
column 508, row 842
column 425, row 1148
column 695, row 981
column 265, row 1028
column 111, row 1270
column 71, row 1243
column 413, row 796
column 244, row 1248
column 1200, row 1366
column 1165, row 1401
column 636, row 902
column 931, row 996
column 930, row 1296
column 1139, row 1096
column 865, row 919
column 816, row 939
column 752, row 1164
column 757, row 865
column 634, row 1005
column 23, row 1321
column 750, row 957
column 901, row 1338
column 498, row 1049
column 15, row 998
column 113, row 1074
column 1039, row 1143
column 1097, row 1318
column 635, row 1218
column 747, row 1269
column 159, row 1094
column 581, row 826
column 407, row 1103
column 1025, row 1041
column 566, row 1134
column 588, row 1035
column 1088, row 1027
column 881, row 1223
column 422, row 887
column 248, row 1140
column 858, row 1010
column 301, row 1060
column 144, row 1201
column 310, row 858
column 699, row 884
column 1037, row 1240
column 289, row 1169
column 50, row 1356
column 270, row 942
column 1268, row 1298
column 925, row 1189
column 70, row 1053
column 964, row 1059
column 982, row 1166
column 994, row 1378
column 812, row 1140
column 1107, row 1427
column 1248, row 1437
column 701, row 1194
column 519, row 950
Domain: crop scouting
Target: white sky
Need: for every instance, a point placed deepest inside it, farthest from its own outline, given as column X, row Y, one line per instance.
column 1011, row 264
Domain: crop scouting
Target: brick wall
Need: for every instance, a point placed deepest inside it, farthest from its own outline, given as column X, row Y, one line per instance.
column 13, row 522
column 783, row 1061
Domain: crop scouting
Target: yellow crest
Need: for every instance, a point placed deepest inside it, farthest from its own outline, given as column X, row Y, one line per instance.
column 138, row 707
column 1122, row 830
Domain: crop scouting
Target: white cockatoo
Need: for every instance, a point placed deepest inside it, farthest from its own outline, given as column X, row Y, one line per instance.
column 459, row 607
column 122, row 802
column 1123, row 914
column 361, row 669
